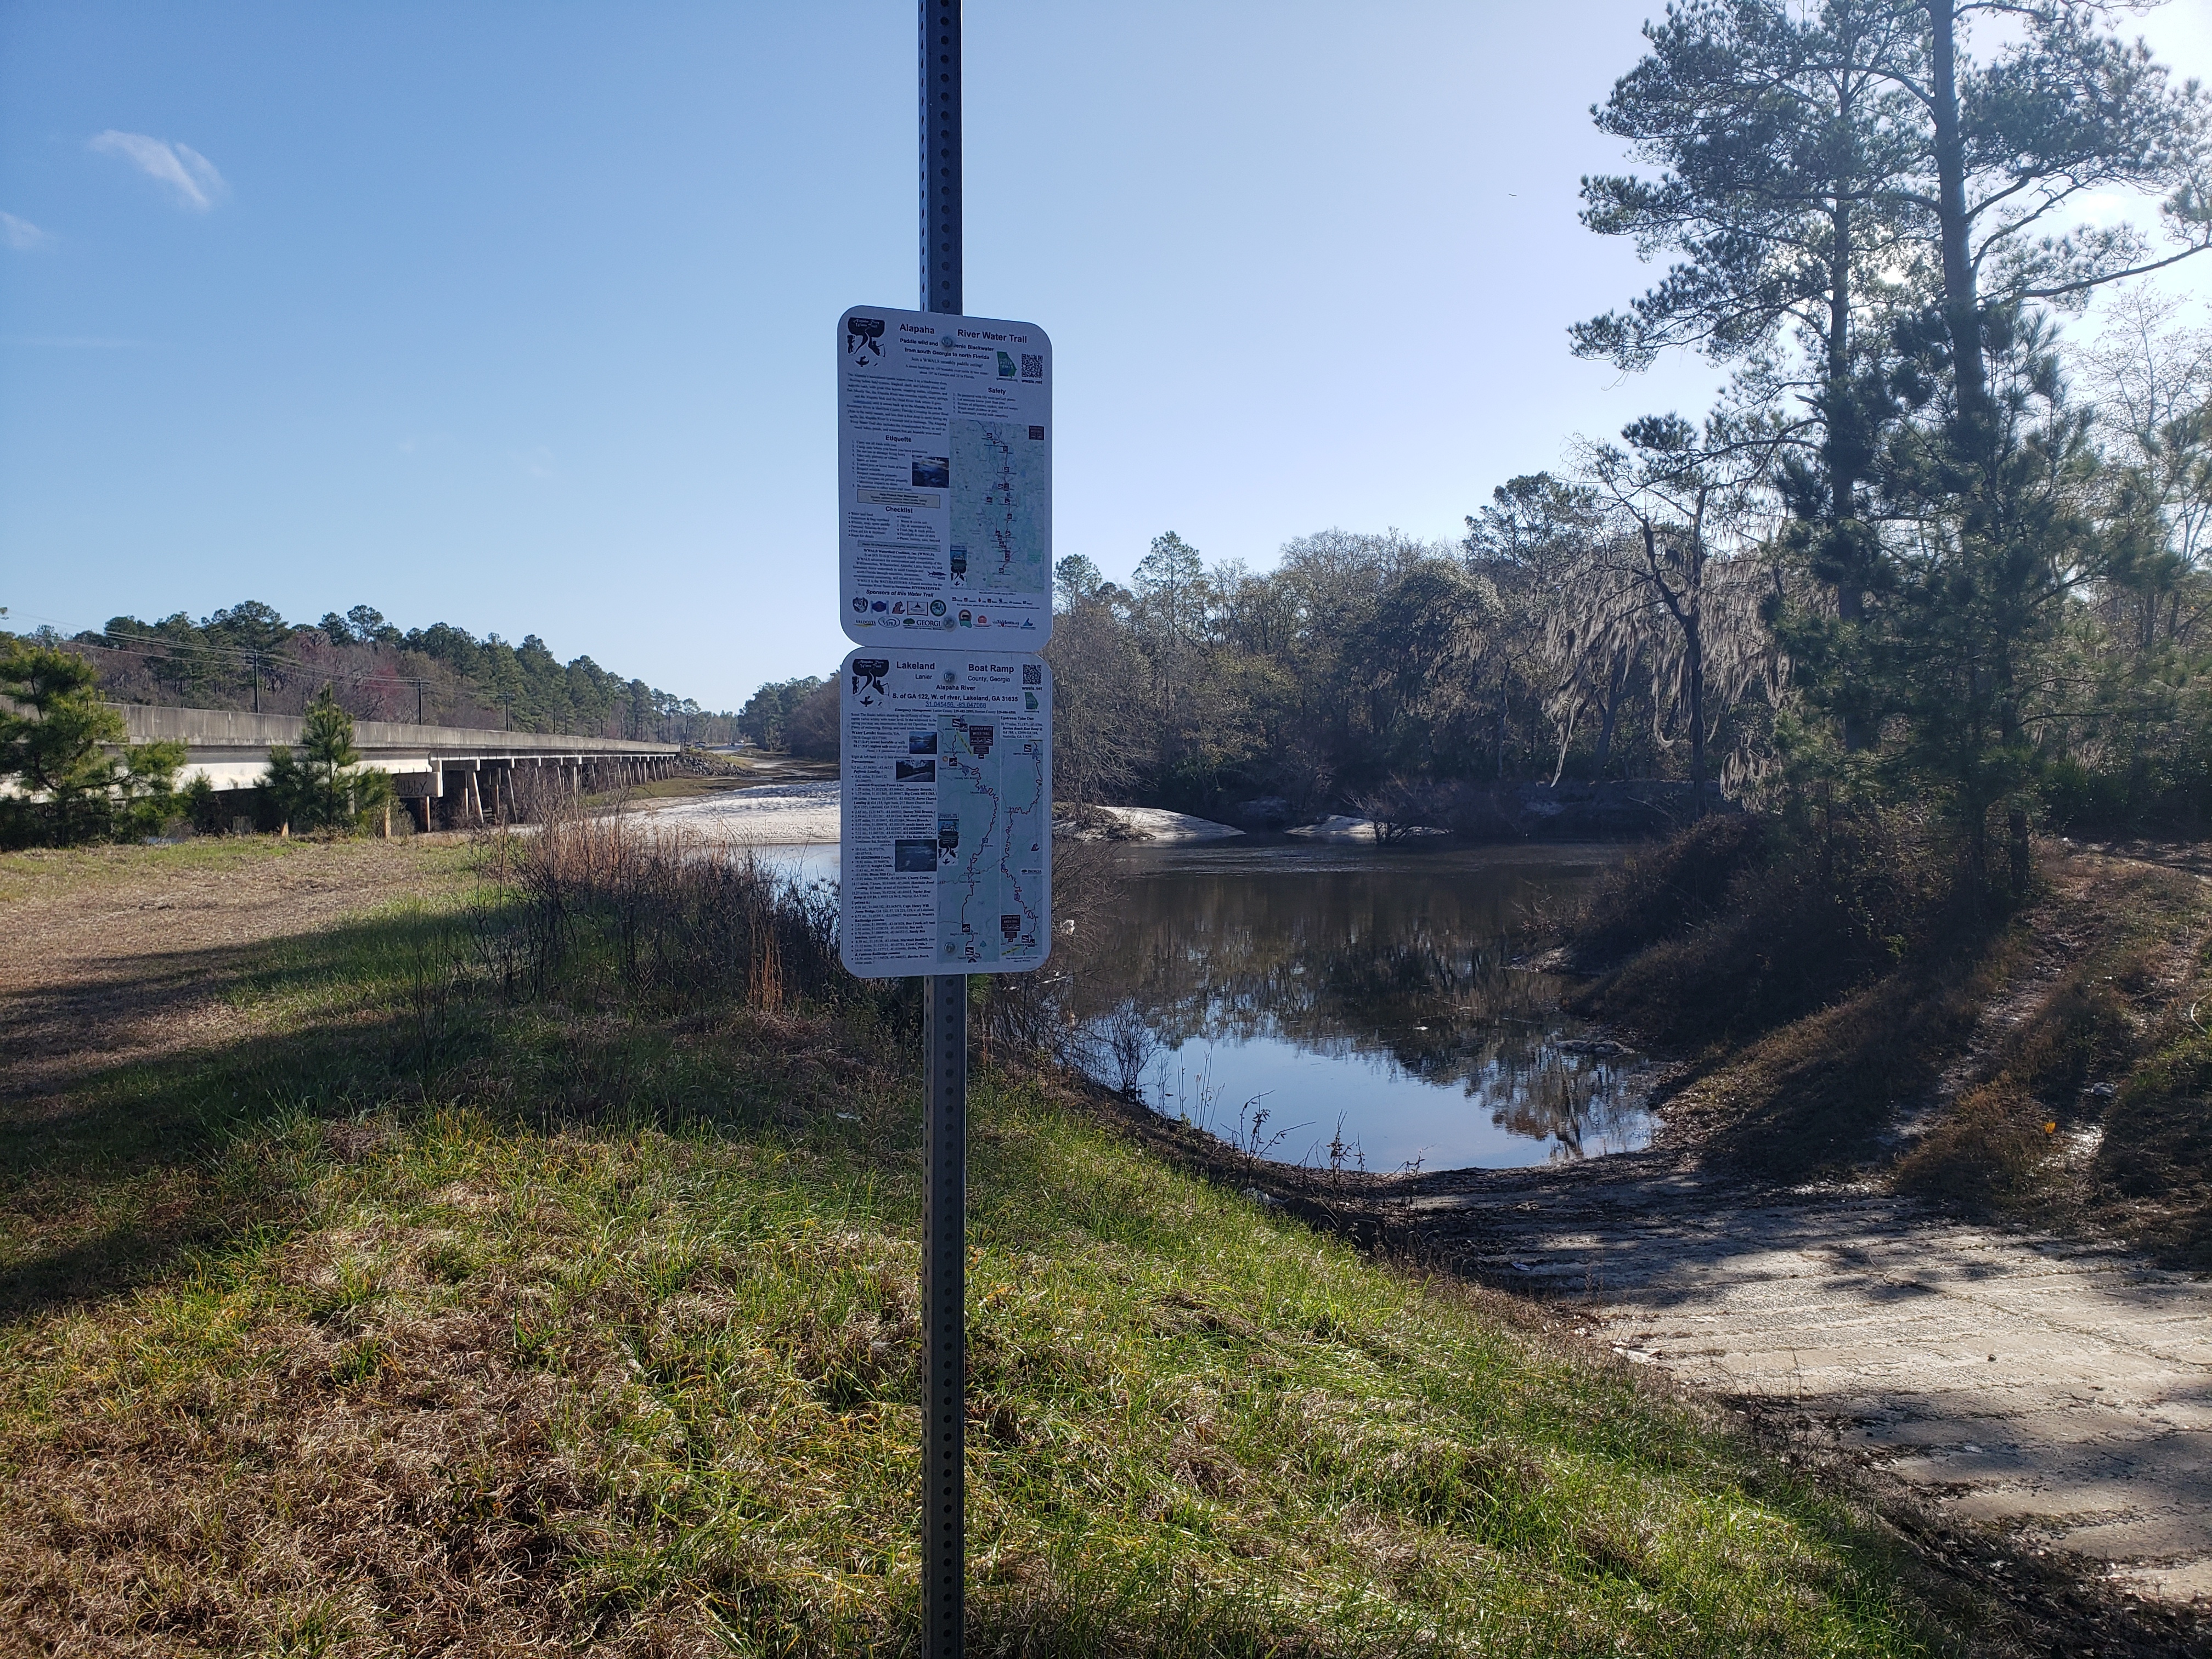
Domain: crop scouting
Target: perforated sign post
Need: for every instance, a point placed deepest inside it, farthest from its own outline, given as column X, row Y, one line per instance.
column 945, row 584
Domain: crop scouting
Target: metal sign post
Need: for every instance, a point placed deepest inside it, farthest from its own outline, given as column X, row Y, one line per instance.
column 945, row 1320
column 944, row 1023
column 945, row 720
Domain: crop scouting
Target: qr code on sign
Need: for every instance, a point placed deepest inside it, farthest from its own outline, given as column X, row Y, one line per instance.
column 1032, row 365
column 1032, row 673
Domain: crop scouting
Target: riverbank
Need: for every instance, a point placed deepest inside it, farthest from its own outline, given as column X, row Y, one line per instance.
column 1934, row 1221
column 374, row 1298
column 777, row 801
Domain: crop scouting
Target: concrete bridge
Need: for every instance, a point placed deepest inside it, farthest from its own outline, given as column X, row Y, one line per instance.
column 448, row 774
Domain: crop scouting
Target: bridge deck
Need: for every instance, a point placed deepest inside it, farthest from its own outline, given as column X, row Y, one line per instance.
column 230, row 748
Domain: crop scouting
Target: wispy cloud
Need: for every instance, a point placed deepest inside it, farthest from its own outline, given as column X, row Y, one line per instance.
column 21, row 234
column 180, row 166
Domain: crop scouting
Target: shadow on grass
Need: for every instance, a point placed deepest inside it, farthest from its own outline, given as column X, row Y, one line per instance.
column 126, row 1170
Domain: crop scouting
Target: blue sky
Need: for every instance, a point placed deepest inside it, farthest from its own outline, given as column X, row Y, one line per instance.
column 519, row 316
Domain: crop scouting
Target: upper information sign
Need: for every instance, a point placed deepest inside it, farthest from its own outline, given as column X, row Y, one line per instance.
column 944, row 479
column 946, row 865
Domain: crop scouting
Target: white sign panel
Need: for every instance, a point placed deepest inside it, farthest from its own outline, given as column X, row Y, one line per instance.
column 944, row 479
column 947, row 839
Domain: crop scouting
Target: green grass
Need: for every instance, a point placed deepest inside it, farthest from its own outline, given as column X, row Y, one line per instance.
column 522, row 1328
column 53, row 873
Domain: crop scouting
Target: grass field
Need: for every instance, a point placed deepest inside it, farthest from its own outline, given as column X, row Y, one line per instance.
column 420, row 1315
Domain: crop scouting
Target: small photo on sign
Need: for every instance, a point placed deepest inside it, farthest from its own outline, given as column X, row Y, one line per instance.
column 916, row 858
column 923, row 771
column 921, row 743
column 933, row 473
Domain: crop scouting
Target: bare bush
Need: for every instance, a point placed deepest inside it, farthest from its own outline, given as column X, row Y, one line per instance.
column 665, row 916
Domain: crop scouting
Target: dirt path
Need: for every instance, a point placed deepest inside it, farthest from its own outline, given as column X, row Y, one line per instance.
column 114, row 956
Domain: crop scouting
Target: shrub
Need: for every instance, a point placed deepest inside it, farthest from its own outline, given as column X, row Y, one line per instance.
column 659, row 916
column 1680, row 882
column 1737, row 926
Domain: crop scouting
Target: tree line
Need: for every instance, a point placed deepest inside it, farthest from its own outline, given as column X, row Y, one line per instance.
column 1926, row 548
column 248, row 656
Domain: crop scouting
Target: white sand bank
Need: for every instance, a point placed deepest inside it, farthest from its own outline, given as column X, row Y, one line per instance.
column 1155, row 824
column 776, row 814
column 807, row 814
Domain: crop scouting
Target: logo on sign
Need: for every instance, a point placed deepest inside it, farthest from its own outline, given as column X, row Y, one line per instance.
column 868, row 678
column 863, row 337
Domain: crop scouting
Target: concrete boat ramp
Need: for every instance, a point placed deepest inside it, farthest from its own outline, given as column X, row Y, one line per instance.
column 2060, row 1391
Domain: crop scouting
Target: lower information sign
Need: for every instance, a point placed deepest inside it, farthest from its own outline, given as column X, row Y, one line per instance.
column 947, row 838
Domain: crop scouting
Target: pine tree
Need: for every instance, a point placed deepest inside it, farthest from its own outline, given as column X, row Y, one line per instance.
column 60, row 747
column 324, row 786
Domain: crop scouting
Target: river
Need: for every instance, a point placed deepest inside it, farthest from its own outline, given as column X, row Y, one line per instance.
column 1354, row 1003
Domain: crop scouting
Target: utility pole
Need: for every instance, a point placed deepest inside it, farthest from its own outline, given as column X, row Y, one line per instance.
column 945, row 1025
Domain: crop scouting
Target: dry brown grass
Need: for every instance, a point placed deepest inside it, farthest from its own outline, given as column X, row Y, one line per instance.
column 1810, row 1099
column 326, row 1484
column 658, row 912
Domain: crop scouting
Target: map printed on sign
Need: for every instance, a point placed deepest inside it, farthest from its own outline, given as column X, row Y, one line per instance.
column 947, row 838
column 944, row 479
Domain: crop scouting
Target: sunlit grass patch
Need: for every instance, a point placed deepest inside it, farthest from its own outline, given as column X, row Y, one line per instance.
column 61, row 872
column 653, row 1389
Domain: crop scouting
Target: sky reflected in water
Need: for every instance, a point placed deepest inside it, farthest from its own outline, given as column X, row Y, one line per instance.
column 1364, row 997
column 1367, row 998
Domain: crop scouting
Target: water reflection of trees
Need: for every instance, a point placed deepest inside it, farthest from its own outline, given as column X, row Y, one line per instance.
column 1414, row 971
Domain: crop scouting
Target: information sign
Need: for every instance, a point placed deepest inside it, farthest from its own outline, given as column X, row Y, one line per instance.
column 944, row 478
column 947, row 837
